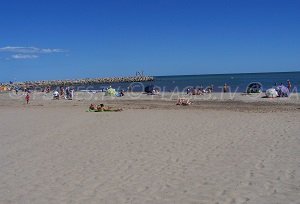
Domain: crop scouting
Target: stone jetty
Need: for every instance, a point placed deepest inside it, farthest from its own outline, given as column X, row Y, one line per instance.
column 87, row 81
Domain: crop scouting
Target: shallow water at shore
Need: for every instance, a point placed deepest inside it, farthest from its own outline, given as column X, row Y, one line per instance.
column 236, row 82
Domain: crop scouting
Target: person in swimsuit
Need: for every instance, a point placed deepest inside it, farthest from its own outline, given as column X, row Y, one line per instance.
column 102, row 108
column 27, row 98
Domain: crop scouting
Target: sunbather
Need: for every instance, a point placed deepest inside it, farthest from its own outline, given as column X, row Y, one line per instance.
column 183, row 101
column 102, row 108
column 92, row 107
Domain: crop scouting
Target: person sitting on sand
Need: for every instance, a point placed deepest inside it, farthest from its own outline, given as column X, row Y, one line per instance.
column 194, row 91
column 183, row 101
column 200, row 91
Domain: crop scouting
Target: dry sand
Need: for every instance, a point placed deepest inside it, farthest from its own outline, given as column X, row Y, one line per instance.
column 215, row 151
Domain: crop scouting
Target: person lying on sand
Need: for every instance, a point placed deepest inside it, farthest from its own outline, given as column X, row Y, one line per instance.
column 92, row 107
column 102, row 108
column 183, row 101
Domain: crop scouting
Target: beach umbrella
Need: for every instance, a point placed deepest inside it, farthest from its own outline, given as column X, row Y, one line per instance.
column 110, row 92
column 149, row 89
column 271, row 93
column 254, row 87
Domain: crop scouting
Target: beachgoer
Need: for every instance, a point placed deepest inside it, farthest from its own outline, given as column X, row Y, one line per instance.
column 200, row 91
column 67, row 93
column 194, row 91
column 102, row 108
column 289, row 85
column 183, row 101
column 72, row 93
column 62, row 92
column 27, row 97
column 209, row 89
column 188, row 91
column 121, row 93
column 92, row 107
column 225, row 88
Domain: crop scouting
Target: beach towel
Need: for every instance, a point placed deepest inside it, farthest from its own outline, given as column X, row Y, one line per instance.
column 103, row 111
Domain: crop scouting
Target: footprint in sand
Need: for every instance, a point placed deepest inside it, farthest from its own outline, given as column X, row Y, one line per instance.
column 232, row 201
column 260, row 165
column 241, row 200
column 143, row 189
column 250, row 174
column 238, row 200
column 222, row 193
column 290, row 174
column 269, row 186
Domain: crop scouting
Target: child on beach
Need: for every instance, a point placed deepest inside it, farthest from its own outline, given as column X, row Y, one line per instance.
column 27, row 97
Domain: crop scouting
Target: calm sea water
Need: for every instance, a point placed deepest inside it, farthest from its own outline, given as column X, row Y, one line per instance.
column 236, row 82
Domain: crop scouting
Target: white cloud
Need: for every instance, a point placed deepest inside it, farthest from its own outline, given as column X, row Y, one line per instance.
column 24, row 56
column 30, row 50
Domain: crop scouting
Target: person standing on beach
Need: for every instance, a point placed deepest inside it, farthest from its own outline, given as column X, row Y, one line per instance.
column 289, row 85
column 27, row 98
column 225, row 88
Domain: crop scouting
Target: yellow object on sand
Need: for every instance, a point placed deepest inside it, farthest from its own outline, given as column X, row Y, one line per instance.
column 110, row 92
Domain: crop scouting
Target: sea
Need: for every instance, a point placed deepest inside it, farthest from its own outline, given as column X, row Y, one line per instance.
column 236, row 82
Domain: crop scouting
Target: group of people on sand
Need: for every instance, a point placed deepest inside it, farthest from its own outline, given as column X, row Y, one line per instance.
column 288, row 85
column 102, row 108
column 199, row 91
column 47, row 89
column 66, row 93
column 282, row 90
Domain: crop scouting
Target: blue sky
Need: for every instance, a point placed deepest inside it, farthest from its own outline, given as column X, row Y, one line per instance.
column 61, row 39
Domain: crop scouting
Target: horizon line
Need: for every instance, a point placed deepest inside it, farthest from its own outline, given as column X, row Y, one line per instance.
column 234, row 73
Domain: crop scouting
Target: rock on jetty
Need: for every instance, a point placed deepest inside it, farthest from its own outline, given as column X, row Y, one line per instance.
column 86, row 81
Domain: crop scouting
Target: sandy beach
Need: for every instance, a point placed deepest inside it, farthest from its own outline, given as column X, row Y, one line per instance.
column 221, row 149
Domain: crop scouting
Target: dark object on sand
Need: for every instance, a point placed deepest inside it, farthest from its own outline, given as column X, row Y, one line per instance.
column 254, row 88
column 149, row 89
